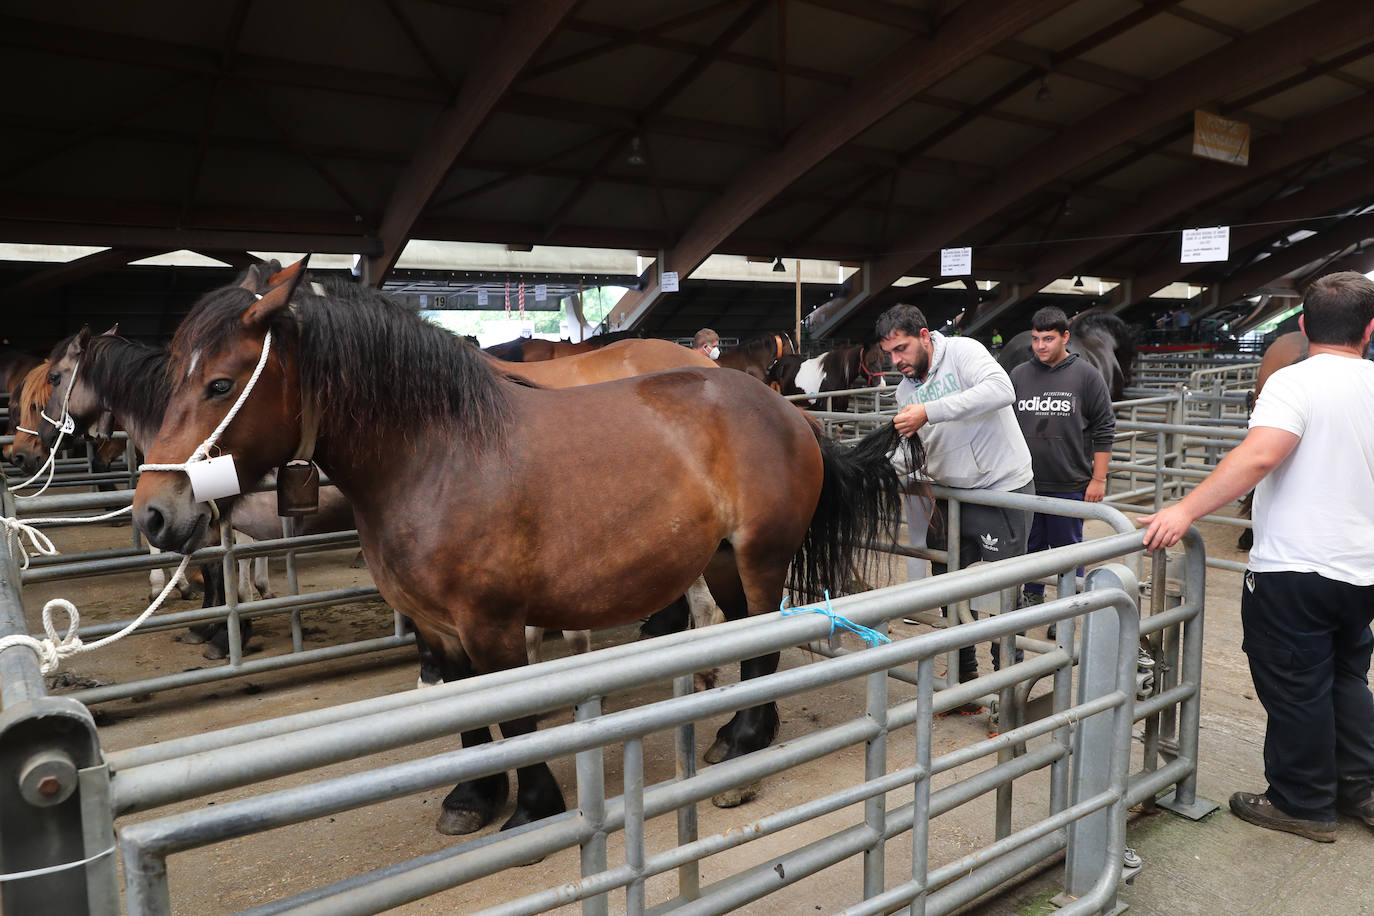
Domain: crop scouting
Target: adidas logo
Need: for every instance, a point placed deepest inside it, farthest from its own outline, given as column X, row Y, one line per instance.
column 1039, row 402
column 989, row 542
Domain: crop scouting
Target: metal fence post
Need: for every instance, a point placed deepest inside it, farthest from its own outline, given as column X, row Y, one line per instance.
column 1086, row 857
column 56, row 825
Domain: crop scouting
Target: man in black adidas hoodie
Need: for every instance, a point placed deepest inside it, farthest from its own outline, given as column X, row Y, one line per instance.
column 1066, row 415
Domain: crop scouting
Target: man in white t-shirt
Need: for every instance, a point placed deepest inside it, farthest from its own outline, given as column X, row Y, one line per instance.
column 1308, row 597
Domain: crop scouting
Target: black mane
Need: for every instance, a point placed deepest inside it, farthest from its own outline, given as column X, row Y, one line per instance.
column 130, row 377
column 1100, row 320
column 373, row 363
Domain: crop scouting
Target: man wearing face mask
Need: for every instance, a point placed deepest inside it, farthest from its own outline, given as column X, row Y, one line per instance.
column 959, row 400
column 707, row 341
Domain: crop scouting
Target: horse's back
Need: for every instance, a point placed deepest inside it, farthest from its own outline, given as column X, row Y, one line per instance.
column 1283, row 352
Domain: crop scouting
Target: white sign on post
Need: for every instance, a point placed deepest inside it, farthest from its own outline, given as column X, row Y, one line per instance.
column 669, row 283
column 541, row 292
column 956, row 262
column 1199, row 245
column 481, row 298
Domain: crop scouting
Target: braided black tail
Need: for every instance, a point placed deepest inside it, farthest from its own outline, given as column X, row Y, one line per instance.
column 860, row 504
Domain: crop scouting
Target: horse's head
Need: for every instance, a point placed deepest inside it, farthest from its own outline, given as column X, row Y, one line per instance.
column 214, row 357
column 872, row 362
column 26, row 409
column 69, row 392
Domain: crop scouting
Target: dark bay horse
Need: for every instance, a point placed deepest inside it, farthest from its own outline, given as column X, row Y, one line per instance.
column 756, row 357
column 1103, row 340
column 536, row 349
column 459, row 477
column 859, row 366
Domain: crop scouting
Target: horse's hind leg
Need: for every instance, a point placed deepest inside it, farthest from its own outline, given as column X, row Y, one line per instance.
column 754, row 728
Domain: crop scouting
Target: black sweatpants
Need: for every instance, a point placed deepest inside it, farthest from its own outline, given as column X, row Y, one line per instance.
column 986, row 533
column 1309, row 644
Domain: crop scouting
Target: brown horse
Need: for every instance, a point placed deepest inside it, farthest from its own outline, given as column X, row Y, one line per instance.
column 26, row 405
column 473, row 525
column 1283, row 352
column 757, row 356
column 622, row 359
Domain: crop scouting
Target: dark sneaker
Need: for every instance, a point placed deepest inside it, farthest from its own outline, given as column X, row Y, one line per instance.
column 1260, row 811
column 1363, row 810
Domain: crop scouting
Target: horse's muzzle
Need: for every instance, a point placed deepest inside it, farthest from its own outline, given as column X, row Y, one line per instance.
column 176, row 526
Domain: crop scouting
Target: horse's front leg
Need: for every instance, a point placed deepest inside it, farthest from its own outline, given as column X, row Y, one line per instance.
column 474, row 804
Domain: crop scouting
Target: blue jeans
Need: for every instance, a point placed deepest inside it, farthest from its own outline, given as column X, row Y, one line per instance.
column 1048, row 531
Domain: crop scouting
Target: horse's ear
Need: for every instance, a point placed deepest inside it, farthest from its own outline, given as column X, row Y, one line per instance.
column 281, row 275
column 113, row 331
column 83, row 337
column 276, row 298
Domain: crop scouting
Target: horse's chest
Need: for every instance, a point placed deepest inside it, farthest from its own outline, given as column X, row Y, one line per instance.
column 811, row 375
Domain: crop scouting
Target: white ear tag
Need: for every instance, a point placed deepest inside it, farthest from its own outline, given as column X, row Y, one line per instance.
column 213, row 478
column 68, row 425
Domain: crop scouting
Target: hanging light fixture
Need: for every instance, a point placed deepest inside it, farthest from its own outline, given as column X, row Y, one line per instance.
column 636, row 157
column 1043, row 94
column 1078, row 282
column 777, row 266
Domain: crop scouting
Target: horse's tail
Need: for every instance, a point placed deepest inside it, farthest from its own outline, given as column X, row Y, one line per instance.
column 860, row 503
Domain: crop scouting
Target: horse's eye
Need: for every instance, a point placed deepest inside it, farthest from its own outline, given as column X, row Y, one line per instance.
column 54, row 378
column 219, row 387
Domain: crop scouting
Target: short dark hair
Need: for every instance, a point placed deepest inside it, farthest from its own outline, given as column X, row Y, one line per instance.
column 1338, row 307
column 1050, row 318
column 901, row 317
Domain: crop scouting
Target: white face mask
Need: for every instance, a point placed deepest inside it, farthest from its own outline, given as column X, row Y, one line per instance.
column 715, row 353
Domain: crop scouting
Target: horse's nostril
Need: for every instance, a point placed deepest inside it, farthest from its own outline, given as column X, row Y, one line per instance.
column 153, row 522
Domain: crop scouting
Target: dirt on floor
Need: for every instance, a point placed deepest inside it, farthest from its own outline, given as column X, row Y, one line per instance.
column 244, row 873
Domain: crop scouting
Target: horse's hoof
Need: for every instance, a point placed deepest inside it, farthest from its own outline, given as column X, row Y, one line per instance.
column 459, row 823
column 716, row 752
column 215, row 652
column 733, row 798
column 197, row 635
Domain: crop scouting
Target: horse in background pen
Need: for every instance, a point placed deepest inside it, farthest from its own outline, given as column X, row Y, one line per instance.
column 1104, row 341
column 858, row 366
column 480, row 526
column 757, row 357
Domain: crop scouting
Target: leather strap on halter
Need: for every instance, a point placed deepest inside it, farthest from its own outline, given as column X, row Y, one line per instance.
column 310, row 428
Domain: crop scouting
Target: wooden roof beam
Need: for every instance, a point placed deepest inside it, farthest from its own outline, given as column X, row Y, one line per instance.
column 1337, row 192
column 1304, row 138
column 911, row 68
column 1259, row 56
column 528, row 26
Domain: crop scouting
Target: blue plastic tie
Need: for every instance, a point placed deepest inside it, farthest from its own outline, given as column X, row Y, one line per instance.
column 870, row 636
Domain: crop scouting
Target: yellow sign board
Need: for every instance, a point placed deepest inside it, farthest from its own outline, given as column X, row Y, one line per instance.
column 1215, row 137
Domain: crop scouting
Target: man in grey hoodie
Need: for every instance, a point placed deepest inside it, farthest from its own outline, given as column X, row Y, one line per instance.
column 959, row 400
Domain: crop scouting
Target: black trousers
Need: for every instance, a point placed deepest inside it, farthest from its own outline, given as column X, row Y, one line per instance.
column 989, row 534
column 1309, row 644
